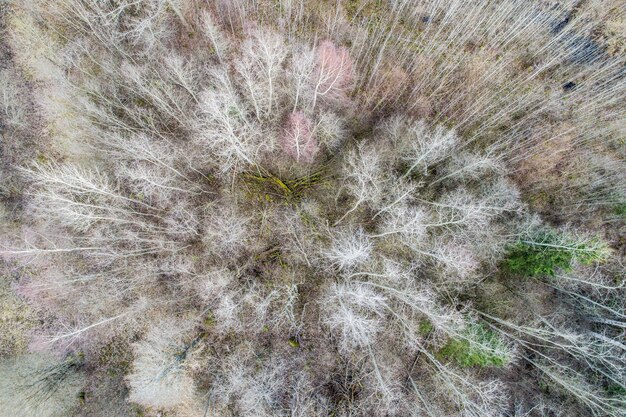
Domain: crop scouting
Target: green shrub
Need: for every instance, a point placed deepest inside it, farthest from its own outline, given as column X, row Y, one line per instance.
column 620, row 210
column 425, row 327
column 481, row 348
column 548, row 252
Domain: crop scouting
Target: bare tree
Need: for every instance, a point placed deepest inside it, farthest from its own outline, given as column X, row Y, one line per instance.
column 225, row 129
column 355, row 313
column 362, row 174
column 227, row 230
column 159, row 378
column 330, row 131
column 333, row 75
column 251, row 389
column 349, row 248
column 300, row 72
column 297, row 139
column 215, row 36
column 263, row 53
column 12, row 109
column 421, row 146
column 40, row 385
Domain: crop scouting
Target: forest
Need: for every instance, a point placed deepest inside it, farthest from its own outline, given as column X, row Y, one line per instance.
column 312, row 208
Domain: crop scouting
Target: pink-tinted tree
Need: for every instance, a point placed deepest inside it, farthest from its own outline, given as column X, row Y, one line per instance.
column 297, row 139
column 333, row 75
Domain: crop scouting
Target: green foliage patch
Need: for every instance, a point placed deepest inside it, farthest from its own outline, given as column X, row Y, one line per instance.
column 549, row 252
column 482, row 348
column 425, row 327
column 620, row 210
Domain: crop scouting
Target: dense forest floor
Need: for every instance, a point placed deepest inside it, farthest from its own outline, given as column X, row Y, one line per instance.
column 312, row 208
